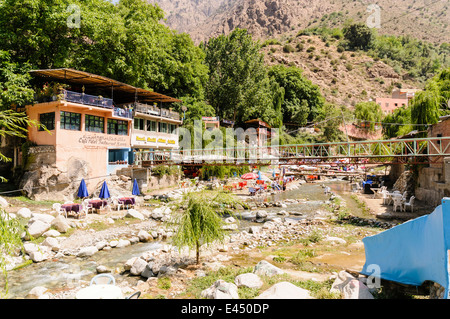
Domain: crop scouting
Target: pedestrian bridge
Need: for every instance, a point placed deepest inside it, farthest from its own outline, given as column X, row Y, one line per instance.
column 411, row 151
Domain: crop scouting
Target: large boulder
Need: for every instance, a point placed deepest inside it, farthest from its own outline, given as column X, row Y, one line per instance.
column 249, row 280
column 350, row 287
column 87, row 251
column 37, row 227
column 221, row 290
column 285, row 290
column 138, row 266
column 133, row 213
column 24, row 212
column 46, row 218
column 61, row 224
column 266, row 269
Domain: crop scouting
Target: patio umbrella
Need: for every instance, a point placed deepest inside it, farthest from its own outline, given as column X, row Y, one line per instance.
column 82, row 190
column 259, row 175
column 135, row 188
column 104, row 191
column 249, row 176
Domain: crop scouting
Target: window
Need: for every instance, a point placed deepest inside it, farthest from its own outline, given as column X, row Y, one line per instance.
column 139, row 124
column 162, row 127
column 151, row 126
column 95, row 123
column 70, row 121
column 117, row 127
column 172, row 128
column 48, row 120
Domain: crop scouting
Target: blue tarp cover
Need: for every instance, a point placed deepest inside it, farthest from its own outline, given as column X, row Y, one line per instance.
column 414, row 251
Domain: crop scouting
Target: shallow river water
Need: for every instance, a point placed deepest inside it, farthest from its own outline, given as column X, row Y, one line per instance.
column 67, row 272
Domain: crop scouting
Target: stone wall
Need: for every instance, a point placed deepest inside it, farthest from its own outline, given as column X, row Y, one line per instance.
column 146, row 180
column 434, row 183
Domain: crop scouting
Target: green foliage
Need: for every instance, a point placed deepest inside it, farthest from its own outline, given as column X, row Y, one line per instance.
column 220, row 171
column 124, row 41
column 238, row 87
column 358, row 36
column 425, row 109
column 401, row 117
column 201, row 222
column 303, row 100
column 161, row 170
column 370, row 112
column 10, row 239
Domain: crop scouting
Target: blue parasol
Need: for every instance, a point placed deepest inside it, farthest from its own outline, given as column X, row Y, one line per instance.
column 82, row 190
column 104, row 191
column 135, row 188
column 259, row 175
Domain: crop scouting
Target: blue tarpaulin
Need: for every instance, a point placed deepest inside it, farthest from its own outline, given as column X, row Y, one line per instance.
column 413, row 252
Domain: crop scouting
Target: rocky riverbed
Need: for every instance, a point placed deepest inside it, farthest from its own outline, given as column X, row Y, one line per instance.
column 272, row 229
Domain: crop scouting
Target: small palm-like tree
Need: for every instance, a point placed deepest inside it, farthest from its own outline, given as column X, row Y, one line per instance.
column 201, row 221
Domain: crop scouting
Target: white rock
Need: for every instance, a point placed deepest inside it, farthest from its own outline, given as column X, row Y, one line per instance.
column 138, row 267
column 24, row 212
column 51, row 233
column 123, row 243
column 249, row 280
column 37, row 228
column 46, row 218
column 285, row 290
column 3, row 202
column 37, row 291
column 335, row 240
column 101, row 244
column 135, row 214
column 37, row 256
column 87, row 251
column 61, row 224
column 51, row 242
column 221, row 290
column 267, row 269
column 144, row 236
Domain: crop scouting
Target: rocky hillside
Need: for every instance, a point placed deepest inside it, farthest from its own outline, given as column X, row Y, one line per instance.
column 424, row 19
column 333, row 71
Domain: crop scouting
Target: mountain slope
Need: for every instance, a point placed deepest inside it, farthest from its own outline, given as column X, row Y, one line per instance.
column 424, row 19
column 345, row 78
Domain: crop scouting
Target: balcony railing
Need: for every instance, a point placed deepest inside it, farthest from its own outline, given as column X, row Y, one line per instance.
column 123, row 113
column 88, row 99
column 153, row 110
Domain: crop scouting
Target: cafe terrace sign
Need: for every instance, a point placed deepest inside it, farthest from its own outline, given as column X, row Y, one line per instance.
column 104, row 140
column 152, row 141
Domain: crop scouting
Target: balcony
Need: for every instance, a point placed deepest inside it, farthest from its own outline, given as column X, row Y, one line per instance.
column 156, row 111
column 87, row 99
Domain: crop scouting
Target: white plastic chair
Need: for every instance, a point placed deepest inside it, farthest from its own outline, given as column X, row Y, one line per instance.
column 115, row 203
column 87, row 206
column 57, row 207
column 409, row 204
column 397, row 203
column 110, row 279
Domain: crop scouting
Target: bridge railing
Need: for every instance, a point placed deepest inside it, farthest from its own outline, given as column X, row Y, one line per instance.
column 385, row 150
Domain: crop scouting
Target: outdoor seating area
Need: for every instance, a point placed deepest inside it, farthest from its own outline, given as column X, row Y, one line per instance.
column 88, row 204
column 395, row 198
column 258, row 183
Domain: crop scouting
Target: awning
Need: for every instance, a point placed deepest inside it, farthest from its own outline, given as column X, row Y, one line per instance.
column 71, row 76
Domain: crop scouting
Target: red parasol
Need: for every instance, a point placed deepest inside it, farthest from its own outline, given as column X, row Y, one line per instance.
column 249, row 176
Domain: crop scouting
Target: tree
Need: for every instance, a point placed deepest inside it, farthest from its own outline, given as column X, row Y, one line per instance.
column 201, row 222
column 302, row 100
column 238, row 87
column 369, row 112
column 359, row 36
column 397, row 123
column 425, row 109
